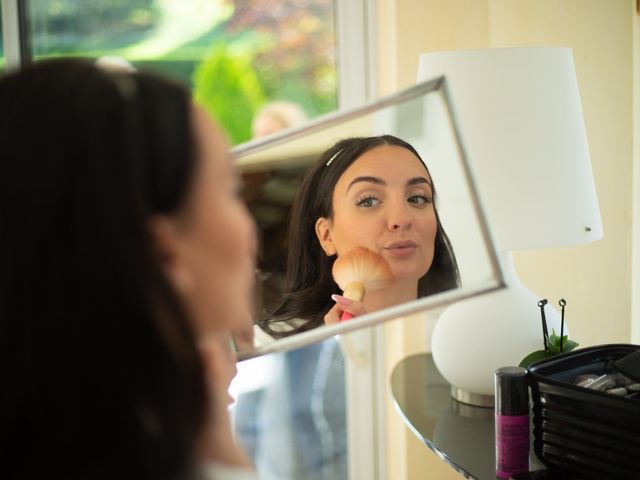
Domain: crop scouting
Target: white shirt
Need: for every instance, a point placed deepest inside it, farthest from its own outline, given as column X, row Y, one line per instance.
column 220, row 471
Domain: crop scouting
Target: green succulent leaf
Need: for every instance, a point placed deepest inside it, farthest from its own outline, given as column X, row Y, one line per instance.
column 534, row 357
column 554, row 343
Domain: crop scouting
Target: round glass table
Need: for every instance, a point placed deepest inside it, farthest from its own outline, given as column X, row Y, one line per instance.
column 461, row 435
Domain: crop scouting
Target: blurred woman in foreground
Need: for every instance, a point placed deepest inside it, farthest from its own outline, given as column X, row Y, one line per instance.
column 126, row 261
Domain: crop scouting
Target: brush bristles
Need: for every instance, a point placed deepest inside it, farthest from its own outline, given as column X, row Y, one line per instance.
column 362, row 265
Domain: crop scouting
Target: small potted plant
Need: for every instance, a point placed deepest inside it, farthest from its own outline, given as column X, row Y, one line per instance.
column 553, row 344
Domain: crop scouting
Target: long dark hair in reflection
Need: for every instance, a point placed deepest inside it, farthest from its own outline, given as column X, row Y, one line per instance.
column 309, row 283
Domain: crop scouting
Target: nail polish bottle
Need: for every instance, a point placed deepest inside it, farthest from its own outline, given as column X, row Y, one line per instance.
column 512, row 421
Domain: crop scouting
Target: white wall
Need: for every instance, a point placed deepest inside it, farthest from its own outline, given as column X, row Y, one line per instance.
column 635, row 259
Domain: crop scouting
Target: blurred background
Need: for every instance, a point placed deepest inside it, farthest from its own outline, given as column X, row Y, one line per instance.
column 252, row 51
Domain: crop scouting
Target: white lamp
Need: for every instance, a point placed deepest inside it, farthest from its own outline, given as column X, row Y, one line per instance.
column 520, row 118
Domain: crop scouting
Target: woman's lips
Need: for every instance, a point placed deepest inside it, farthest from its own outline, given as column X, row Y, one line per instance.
column 401, row 248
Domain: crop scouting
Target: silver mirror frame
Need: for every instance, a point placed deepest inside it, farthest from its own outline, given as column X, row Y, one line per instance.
column 433, row 302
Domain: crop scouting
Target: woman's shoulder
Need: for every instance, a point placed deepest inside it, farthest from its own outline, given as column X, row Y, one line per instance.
column 220, row 471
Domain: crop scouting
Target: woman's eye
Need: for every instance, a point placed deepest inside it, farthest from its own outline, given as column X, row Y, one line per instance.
column 367, row 202
column 419, row 199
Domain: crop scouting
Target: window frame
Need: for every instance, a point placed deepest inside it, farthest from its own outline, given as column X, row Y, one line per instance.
column 366, row 384
column 15, row 35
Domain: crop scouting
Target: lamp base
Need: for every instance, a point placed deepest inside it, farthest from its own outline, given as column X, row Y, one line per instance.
column 476, row 336
column 470, row 398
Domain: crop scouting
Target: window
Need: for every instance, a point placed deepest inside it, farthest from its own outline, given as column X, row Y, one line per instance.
column 2, row 67
column 267, row 50
column 236, row 55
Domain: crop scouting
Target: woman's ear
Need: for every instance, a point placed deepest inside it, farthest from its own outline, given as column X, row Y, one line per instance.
column 323, row 232
column 171, row 250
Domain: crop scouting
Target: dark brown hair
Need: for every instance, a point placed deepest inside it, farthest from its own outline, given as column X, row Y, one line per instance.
column 100, row 375
column 309, row 280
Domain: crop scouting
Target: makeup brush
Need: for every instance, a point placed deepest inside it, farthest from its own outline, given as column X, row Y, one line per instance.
column 358, row 271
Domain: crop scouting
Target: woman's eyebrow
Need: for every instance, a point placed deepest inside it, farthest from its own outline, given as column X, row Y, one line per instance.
column 379, row 181
column 418, row 180
column 376, row 180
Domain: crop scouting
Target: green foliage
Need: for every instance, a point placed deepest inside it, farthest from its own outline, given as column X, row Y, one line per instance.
column 293, row 43
column 282, row 50
column 71, row 26
column 228, row 88
column 553, row 348
column 554, row 343
column 534, row 357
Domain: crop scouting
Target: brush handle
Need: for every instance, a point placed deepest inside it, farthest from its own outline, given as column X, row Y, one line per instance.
column 346, row 316
column 353, row 291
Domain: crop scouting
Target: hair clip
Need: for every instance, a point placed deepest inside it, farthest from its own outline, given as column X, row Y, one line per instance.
column 119, row 70
column 333, row 157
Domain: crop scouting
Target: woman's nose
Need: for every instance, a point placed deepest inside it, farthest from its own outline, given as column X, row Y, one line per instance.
column 399, row 216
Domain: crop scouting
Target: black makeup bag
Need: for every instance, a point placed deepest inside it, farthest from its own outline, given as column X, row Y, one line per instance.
column 581, row 432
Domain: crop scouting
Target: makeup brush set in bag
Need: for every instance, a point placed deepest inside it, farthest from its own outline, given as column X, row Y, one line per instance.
column 586, row 412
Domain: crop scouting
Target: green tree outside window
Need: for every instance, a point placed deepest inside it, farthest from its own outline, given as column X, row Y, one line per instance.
column 254, row 51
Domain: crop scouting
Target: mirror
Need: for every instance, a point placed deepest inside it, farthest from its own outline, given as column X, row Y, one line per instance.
column 273, row 168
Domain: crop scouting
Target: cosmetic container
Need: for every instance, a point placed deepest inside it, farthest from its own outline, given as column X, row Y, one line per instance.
column 579, row 432
column 511, row 421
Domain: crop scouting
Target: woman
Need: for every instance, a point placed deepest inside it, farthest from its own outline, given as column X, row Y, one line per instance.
column 374, row 192
column 126, row 260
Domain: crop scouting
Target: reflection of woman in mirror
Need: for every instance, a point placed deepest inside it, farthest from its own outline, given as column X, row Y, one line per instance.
column 374, row 192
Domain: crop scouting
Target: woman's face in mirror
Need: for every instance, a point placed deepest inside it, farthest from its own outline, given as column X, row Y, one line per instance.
column 384, row 201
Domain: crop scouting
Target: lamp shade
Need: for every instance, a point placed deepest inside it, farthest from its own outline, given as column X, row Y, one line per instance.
column 520, row 118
